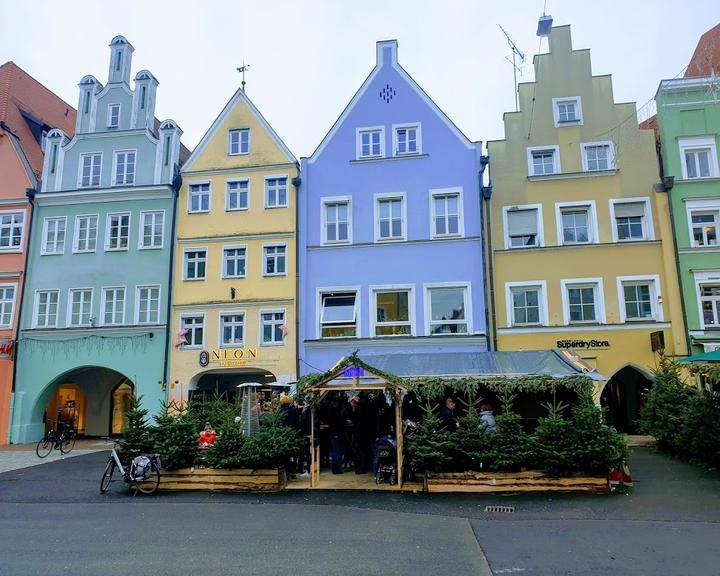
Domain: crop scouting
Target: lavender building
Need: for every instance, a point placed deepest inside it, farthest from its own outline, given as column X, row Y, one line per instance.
column 390, row 257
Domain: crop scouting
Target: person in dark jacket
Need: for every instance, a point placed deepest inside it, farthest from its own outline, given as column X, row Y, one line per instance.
column 447, row 416
column 288, row 413
column 411, row 409
column 336, row 428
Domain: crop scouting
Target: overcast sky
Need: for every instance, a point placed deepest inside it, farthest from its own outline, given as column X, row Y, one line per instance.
column 307, row 58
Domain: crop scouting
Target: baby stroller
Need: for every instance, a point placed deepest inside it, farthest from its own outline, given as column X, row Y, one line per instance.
column 387, row 461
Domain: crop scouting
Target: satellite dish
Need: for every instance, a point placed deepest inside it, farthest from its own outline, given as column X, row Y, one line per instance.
column 544, row 25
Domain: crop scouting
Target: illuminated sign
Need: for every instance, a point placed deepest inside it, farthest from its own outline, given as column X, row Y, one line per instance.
column 228, row 357
column 583, row 344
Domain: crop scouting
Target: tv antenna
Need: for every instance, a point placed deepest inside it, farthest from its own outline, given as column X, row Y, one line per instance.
column 242, row 70
column 516, row 54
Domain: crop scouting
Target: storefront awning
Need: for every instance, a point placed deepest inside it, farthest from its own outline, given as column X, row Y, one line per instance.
column 713, row 356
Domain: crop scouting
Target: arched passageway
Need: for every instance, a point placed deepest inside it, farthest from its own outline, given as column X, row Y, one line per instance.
column 624, row 397
column 225, row 382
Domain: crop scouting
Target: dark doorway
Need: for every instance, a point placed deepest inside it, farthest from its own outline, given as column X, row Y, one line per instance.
column 624, row 397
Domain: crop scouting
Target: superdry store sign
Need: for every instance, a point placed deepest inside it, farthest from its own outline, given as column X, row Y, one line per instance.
column 583, row 344
column 228, row 357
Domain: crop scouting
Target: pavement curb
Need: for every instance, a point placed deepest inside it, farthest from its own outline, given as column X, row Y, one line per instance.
column 485, row 569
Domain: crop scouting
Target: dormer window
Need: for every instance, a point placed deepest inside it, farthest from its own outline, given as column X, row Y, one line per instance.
column 567, row 111
column 370, row 142
column 113, row 119
column 406, row 140
column 239, row 142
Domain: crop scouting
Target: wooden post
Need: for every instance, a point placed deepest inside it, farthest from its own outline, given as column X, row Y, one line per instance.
column 399, row 438
column 312, row 448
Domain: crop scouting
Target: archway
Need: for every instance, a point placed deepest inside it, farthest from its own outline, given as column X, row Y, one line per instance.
column 225, row 382
column 624, row 397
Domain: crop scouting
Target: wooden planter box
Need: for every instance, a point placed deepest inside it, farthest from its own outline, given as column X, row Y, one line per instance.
column 236, row 480
column 511, row 482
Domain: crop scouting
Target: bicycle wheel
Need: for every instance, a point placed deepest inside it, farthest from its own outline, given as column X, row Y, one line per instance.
column 151, row 484
column 67, row 442
column 107, row 476
column 45, row 446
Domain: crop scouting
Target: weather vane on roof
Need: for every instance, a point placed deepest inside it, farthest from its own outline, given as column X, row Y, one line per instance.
column 242, row 71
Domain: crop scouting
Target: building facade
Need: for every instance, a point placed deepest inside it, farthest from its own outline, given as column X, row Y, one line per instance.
column 234, row 318
column 28, row 111
column 94, row 319
column 389, row 227
column 582, row 246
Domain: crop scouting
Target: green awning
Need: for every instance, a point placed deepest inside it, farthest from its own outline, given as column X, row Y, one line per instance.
column 713, row 356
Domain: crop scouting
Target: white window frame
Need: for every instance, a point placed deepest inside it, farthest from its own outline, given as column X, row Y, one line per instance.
column 264, row 259
column 324, row 201
column 373, row 291
column 185, row 263
column 76, row 233
column 593, row 236
column 80, row 170
column 223, row 274
column 541, row 286
column 287, row 190
column 611, row 155
column 204, row 331
column 700, row 278
column 108, row 227
column 358, row 142
column 427, row 306
column 13, row 302
column 262, row 311
column 68, row 317
column 44, row 244
column 36, row 308
column 653, row 280
column 648, row 225
column 103, row 302
column 377, row 198
column 327, row 290
column 418, row 138
column 227, row 193
column 455, row 190
column 138, row 289
column 223, row 313
column 699, row 143
column 599, row 299
column 11, row 226
column 232, row 131
column 556, row 159
column 540, row 241
column 694, row 206
column 113, row 176
column 556, row 111
column 189, row 196
column 110, row 115
column 141, row 235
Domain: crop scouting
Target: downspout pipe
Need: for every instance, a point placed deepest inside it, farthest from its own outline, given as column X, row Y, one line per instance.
column 175, row 188
column 484, row 160
column 297, row 182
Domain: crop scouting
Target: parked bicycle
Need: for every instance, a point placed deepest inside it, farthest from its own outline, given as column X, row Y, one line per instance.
column 143, row 474
column 63, row 441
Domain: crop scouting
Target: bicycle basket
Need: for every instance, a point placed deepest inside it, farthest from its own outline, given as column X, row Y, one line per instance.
column 140, row 468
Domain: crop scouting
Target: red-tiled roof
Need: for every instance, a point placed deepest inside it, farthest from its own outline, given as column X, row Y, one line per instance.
column 21, row 97
column 706, row 58
column 651, row 124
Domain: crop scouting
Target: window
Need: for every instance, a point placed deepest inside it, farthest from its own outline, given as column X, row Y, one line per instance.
column 195, row 263
column 199, row 197
column 567, row 111
column 274, row 260
column 234, row 261
column 406, row 140
column 370, row 143
column 338, row 315
column 446, row 213
column 239, row 142
column 151, row 229
column 272, row 327
column 11, row 231
column 632, row 223
column 598, row 156
column 526, row 310
column 698, row 157
column 148, row 305
column 86, row 229
column 575, row 223
column 638, row 301
column 710, row 304
column 195, row 326
column 53, row 236
column 80, row 307
column 522, row 227
column 113, row 306
column 237, row 195
column 90, row 165
column 392, row 312
column 337, row 228
column 705, row 228
column 118, row 231
column 124, row 173
column 390, row 218
column 583, row 300
column 232, row 328
column 7, row 304
column 46, row 308
column 447, row 310
column 113, row 117
column 276, row 192
column 543, row 160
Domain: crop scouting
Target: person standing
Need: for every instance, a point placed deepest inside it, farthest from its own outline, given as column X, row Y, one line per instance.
column 447, row 415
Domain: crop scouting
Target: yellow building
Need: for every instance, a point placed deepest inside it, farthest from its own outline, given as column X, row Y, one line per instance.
column 581, row 248
column 234, row 286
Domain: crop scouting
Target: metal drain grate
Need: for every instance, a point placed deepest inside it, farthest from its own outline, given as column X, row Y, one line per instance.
column 503, row 509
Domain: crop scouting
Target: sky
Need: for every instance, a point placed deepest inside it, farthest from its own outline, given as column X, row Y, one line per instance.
column 307, row 58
